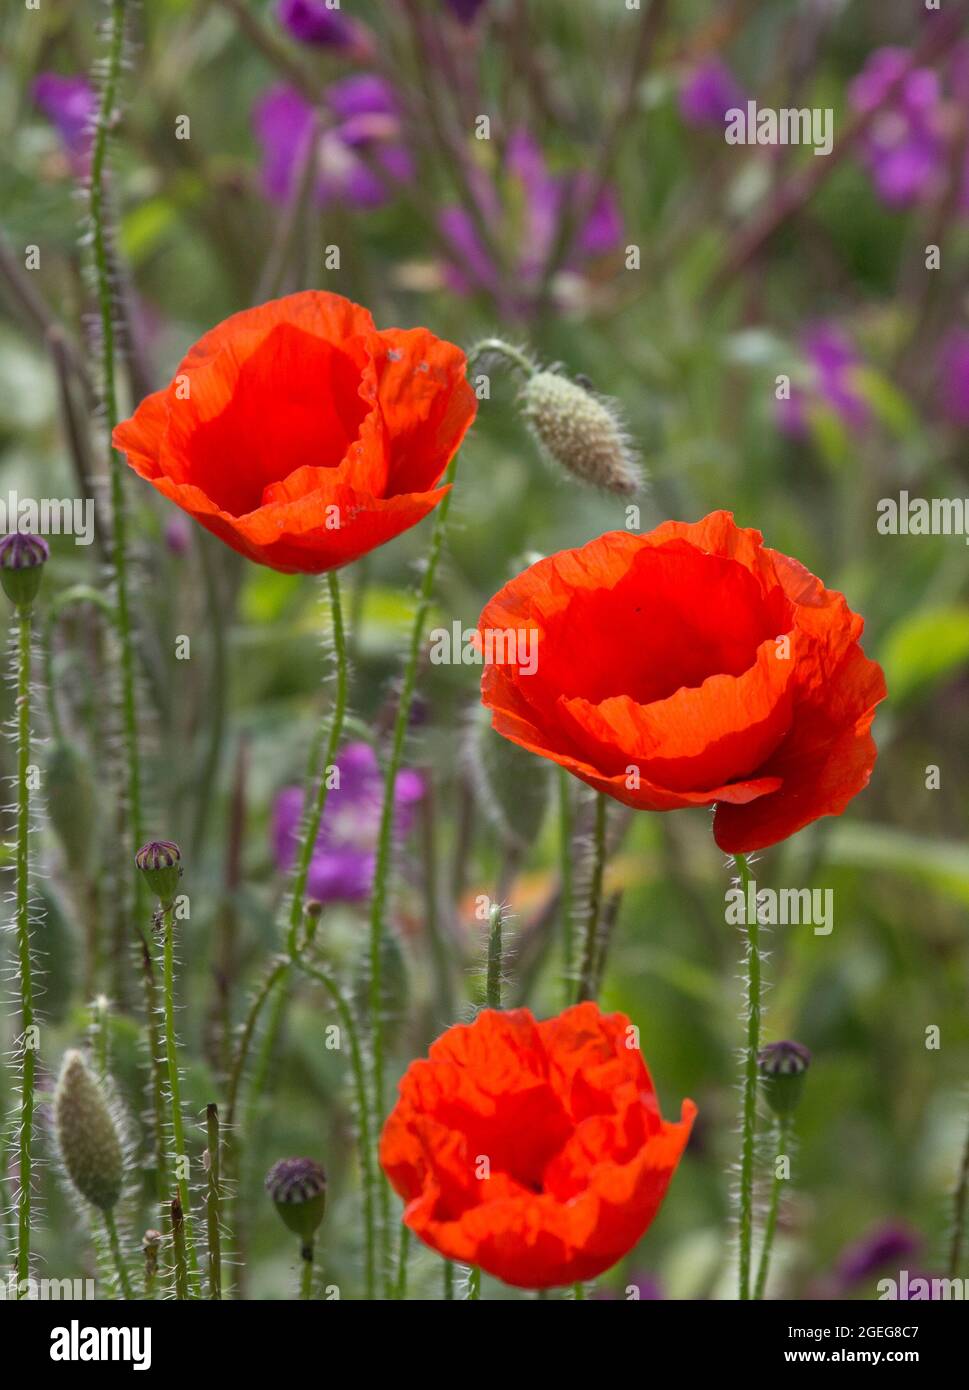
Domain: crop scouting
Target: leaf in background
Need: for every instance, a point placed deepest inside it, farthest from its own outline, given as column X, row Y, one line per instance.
column 512, row 785
column 923, row 649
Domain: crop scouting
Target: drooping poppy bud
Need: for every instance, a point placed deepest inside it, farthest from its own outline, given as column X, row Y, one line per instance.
column 161, row 863
column 297, row 1187
column 87, row 1135
column 783, row 1067
column 22, row 561
column 580, row 431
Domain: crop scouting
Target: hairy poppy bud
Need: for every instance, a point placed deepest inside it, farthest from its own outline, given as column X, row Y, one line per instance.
column 298, row 1189
column 22, row 560
column 161, row 863
column 87, row 1135
column 581, row 432
column 512, row 788
column 783, row 1067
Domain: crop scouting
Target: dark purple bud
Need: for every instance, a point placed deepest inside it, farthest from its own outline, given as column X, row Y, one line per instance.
column 783, row 1067
column 323, row 25
column 297, row 1187
column 161, row 863
column 22, row 559
column 465, row 10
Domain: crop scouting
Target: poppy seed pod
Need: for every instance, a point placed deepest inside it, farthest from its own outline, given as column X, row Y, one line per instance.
column 580, row 432
column 161, row 863
column 22, row 560
column 298, row 1189
column 87, row 1135
column 783, row 1067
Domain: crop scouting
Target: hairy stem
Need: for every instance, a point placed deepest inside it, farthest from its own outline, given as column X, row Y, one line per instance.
column 587, row 973
column 773, row 1210
column 213, row 1202
column 363, row 1116
column 174, row 1091
column 24, row 637
column 111, row 1226
column 378, row 903
column 568, row 888
column 749, row 1113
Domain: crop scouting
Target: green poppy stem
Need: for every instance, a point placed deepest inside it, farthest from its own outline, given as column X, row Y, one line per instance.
column 749, row 1113
column 763, row 1269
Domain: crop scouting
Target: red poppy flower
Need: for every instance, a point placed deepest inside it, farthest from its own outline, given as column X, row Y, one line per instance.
column 533, row 1150
column 688, row 667
column 301, row 435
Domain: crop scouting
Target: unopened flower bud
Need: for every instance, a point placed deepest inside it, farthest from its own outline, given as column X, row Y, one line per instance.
column 783, row 1067
column 22, row 560
column 87, row 1136
column 161, row 863
column 72, row 803
column 298, row 1189
column 580, row 432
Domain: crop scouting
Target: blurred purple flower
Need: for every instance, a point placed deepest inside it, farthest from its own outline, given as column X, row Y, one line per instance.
column 342, row 866
column 832, row 361
column 708, row 93
column 465, row 10
column 954, row 378
column 540, row 198
column 905, row 146
column 364, row 115
column 316, row 22
column 71, row 104
column 178, row 534
column 880, row 1247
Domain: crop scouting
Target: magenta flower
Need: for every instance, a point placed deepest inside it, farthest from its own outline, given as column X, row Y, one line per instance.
column 905, row 146
column 538, row 198
column 325, row 26
column 363, row 116
column 880, row 1247
column 832, row 366
column 954, row 378
column 342, row 867
column 465, row 10
column 70, row 103
column 708, row 93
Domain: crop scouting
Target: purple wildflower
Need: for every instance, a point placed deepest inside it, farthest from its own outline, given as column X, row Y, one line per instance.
column 325, row 26
column 466, row 11
column 880, row 1247
column 833, row 363
column 71, row 104
column 708, row 93
column 342, row 866
column 954, row 378
column 540, row 198
column 905, row 145
column 364, row 116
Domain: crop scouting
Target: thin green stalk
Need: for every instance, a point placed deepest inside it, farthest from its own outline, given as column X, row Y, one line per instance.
column 773, row 1210
column 448, row 1281
column 498, row 346
column 174, row 1089
column 961, row 1201
column 119, row 534
column 311, row 828
column 400, row 1292
column 306, row 1276
column 111, row 1226
column 213, row 1201
column 24, row 637
column 586, row 988
column 362, row 1108
column 178, row 1249
column 474, row 1285
column 568, row 881
column 493, row 986
column 378, row 901
column 749, row 1117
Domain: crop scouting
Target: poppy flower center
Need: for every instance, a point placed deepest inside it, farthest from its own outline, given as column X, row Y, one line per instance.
column 294, row 403
column 676, row 617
